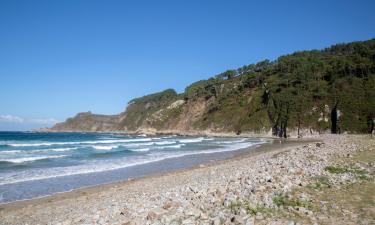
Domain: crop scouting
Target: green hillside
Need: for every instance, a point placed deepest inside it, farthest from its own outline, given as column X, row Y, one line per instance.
column 329, row 90
column 303, row 90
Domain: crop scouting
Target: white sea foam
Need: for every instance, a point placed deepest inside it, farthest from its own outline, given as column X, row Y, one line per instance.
column 93, row 166
column 234, row 147
column 30, row 145
column 38, row 150
column 27, row 159
column 53, row 150
column 230, row 142
column 170, row 146
column 138, row 144
column 79, row 143
column 10, row 152
column 108, row 147
column 194, row 140
column 171, row 136
column 140, row 150
column 165, row 142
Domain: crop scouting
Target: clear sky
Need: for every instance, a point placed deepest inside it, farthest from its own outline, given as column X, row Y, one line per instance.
column 58, row 58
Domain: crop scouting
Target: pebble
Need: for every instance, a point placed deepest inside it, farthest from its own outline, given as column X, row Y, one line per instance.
column 207, row 195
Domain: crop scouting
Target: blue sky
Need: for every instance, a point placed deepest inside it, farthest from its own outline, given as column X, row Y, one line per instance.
column 58, row 58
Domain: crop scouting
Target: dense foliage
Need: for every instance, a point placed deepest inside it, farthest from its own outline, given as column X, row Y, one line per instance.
column 329, row 89
column 159, row 97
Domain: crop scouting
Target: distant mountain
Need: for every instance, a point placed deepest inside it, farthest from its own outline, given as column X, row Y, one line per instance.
column 329, row 90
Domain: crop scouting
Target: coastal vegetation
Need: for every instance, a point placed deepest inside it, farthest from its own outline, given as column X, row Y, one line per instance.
column 329, row 90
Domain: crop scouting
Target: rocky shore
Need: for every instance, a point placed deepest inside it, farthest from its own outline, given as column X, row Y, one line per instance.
column 274, row 187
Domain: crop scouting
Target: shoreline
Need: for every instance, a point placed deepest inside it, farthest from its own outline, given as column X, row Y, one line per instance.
column 44, row 187
column 179, row 133
column 205, row 133
column 279, row 146
column 272, row 184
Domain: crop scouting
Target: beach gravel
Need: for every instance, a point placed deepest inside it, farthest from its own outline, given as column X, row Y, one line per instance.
column 226, row 192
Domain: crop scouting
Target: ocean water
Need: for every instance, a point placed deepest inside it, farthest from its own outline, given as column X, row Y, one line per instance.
column 38, row 164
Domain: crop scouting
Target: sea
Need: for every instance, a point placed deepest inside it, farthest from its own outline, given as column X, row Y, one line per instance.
column 34, row 164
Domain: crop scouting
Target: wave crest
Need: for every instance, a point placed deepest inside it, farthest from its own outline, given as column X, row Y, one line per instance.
column 29, row 159
column 78, row 142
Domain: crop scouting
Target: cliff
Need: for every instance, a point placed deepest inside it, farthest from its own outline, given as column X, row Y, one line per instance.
column 305, row 92
column 87, row 121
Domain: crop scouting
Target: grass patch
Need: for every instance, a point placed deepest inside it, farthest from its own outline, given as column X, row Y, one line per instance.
column 320, row 183
column 253, row 211
column 285, row 201
column 346, row 169
column 279, row 200
column 355, row 199
column 236, row 206
column 352, row 202
column 336, row 170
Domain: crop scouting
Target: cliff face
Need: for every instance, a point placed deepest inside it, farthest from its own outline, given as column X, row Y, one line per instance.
column 302, row 93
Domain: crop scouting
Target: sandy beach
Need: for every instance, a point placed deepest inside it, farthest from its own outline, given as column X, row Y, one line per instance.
column 205, row 194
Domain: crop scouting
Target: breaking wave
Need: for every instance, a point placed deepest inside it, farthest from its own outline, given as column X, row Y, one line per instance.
column 28, row 159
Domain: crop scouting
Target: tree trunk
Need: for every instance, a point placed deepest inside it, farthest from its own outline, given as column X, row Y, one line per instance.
column 284, row 129
column 334, row 120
